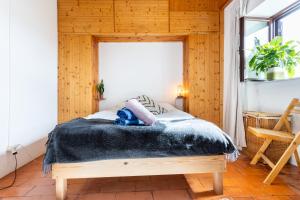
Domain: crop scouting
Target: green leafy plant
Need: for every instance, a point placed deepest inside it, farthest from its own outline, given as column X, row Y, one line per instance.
column 100, row 88
column 275, row 54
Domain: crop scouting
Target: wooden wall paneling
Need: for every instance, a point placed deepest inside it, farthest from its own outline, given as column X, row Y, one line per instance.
column 194, row 5
column 221, row 64
column 204, row 81
column 76, row 76
column 186, row 73
column 86, row 76
column 208, row 89
column 193, row 22
column 88, row 71
column 86, row 16
column 139, row 16
column 95, row 74
column 161, row 38
column 214, row 59
column 196, row 55
column 63, row 79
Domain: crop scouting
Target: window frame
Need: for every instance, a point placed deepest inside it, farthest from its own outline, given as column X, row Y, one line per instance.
column 282, row 14
column 273, row 23
column 242, row 40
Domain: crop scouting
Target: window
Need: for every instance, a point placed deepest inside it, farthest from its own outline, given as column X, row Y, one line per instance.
column 258, row 31
column 287, row 26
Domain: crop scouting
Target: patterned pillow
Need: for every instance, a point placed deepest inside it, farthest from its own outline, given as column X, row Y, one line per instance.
column 151, row 105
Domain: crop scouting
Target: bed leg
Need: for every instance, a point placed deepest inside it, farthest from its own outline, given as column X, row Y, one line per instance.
column 61, row 188
column 218, row 182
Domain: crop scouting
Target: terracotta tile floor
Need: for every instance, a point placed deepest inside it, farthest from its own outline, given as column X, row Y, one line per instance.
column 241, row 181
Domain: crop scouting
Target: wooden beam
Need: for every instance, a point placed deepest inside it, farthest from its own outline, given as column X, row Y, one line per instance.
column 261, row 151
column 285, row 115
column 61, row 188
column 218, row 182
column 140, row 167
column 283, row 160
column 268, row 161
column 163, row 38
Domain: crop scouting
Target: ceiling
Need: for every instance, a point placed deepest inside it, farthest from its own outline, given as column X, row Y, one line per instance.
column 268, row 8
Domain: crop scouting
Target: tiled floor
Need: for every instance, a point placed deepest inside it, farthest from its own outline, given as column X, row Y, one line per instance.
column 242, row 181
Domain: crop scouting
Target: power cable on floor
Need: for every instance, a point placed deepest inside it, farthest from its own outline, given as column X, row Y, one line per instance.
column 15, row 173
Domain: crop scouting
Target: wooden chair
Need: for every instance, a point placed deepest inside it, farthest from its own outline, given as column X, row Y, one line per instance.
column 277, row 135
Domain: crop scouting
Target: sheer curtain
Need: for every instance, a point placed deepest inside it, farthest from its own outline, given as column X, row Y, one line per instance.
column 232, row 116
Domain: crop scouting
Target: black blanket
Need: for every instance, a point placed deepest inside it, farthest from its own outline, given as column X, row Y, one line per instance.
column 96, row 139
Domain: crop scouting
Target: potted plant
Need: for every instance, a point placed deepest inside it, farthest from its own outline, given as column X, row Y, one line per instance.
column 100, row 89
column 275, row 59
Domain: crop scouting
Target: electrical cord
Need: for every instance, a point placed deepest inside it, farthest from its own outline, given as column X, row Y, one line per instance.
column 15, row 173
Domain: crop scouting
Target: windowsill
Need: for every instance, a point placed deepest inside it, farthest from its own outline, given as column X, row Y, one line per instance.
column 266, row 81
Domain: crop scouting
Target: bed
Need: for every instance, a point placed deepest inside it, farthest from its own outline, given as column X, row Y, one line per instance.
column 178, row 143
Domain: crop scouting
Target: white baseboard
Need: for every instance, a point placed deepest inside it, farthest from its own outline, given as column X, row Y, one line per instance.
column 24, row 156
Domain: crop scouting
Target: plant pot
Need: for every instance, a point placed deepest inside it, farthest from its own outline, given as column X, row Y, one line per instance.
column 276, row 73
column 100, row 96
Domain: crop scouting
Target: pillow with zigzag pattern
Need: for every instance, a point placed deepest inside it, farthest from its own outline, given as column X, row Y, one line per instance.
column 151, row 105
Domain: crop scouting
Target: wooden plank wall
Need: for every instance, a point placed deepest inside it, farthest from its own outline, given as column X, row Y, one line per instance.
column 86, row 16
column 221, row 63
column 80, row 21
column 76, row 91
column 136, row 16
column 204, row 76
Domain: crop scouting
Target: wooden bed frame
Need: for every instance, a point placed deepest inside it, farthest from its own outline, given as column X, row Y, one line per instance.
column 61, row 172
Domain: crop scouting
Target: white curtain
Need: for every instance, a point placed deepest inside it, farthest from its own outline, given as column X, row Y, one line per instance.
column 232, row 116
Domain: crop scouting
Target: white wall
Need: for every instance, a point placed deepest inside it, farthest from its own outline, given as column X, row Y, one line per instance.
column 28, row 77
column 273, row 97
column 4, row 78
column 132, row 69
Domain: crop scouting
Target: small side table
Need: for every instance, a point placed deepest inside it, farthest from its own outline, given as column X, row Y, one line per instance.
column 179, row 103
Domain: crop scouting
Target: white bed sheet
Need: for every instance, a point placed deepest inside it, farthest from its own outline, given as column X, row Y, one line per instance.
column 173, row 114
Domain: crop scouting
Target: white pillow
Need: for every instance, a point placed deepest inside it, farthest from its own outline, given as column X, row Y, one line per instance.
column 151, row 105
column 167, row 106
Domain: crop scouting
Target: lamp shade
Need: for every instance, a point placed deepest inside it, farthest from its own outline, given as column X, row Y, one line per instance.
column 180, row 91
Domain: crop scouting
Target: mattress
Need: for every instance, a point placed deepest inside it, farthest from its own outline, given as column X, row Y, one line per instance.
column 95, row 137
